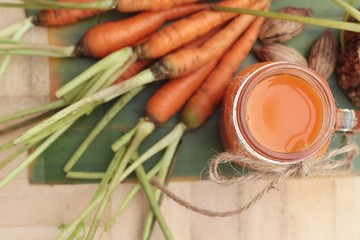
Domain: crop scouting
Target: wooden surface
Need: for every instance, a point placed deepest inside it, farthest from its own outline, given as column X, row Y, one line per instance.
column 326, row 208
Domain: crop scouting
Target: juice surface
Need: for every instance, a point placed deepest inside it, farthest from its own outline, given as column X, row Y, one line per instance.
column 284, row 113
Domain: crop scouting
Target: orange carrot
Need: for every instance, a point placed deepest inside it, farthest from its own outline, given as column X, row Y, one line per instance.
column 185, row 30
column 209, row 95
column 185, row 60
column 133, row 70
column 119, row 5
column 167, row 100
column 62, row 17
column 108, row 37
column 120, row 59
column 153, row 5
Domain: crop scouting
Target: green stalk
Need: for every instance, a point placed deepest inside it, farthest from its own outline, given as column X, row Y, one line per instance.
column 168, row 158
column 37, row 50
column 145, row 129
column 175, row 134
column 24, row 123
column 307, row 20
column 342, row 32
column 93, row 88
column 170, row 138
column 108, row 81
column 118, row 57
column 7, row 145
column 14, row 155
column 83, row 89
column 98, row 196
column 85, row 175
column 70, row 119
column 130, row 196
column 348, row 8
column 9, row 31
column 113, row 111
column 141, row 175
column 24, row 27
column 40, row 149
column 43, row 108
column 80, row 218
column 124, row 139
column 46, row 4
column 92, row 101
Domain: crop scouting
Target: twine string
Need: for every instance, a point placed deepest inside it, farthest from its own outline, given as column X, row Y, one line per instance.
column 326, row 165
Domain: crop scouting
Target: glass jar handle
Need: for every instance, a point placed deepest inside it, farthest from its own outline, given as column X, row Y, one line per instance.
column 347, row 120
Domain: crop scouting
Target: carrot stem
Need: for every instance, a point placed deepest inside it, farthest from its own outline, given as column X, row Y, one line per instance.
column 7, row 145
column 24, row 123
column 141, row 175
column 37, row 50
column 171, row 137
column 348, row 8
column 342, row 32
column 81, row 107
column 120, row 56
column 123, row 140
column 44, row 4
column 307, row 20
column 12, row 29
column 94, row 84
column 43, row 108
column 85, row 175
column 145, row 129
column 80, row 218
column 109, row 76
column 118, row 105
column 15, row 33
column 133, row 192
column 40, row 149
column 98, row 196
column 14, row 155
column 167, row 158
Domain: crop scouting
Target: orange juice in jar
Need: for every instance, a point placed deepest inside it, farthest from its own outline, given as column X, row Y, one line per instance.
column 280, row 113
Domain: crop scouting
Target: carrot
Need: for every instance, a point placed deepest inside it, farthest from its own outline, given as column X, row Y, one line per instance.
column 119, row 5
column 133, row 70
column 185, row 30
column 136, row 67
column 108, row 37
column 62, row 17
column 51, row 18
column 160, row 43
column 172, row 96
column 210, row 94
column 82, row 106
column 153, row 5
column 184, row 61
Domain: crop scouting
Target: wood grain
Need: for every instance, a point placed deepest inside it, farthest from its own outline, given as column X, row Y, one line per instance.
column 310, row 209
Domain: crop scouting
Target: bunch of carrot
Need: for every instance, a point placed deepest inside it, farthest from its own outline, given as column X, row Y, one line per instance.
column 220, row 41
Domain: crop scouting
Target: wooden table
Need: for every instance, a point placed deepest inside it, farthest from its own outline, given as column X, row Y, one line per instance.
column 323, row 208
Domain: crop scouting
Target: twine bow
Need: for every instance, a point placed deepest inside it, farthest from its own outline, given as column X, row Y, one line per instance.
column 327, row 165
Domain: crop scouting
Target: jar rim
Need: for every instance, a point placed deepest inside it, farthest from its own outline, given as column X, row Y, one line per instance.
column 239, row 117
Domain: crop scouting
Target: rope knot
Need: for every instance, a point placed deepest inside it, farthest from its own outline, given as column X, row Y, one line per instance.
column 302, row 169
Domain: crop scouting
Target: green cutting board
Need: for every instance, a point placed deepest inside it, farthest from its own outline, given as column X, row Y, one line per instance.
column 196, row 147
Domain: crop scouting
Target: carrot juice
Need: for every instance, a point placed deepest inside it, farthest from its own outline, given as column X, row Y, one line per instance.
column 284, row 113
column 277, row 112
